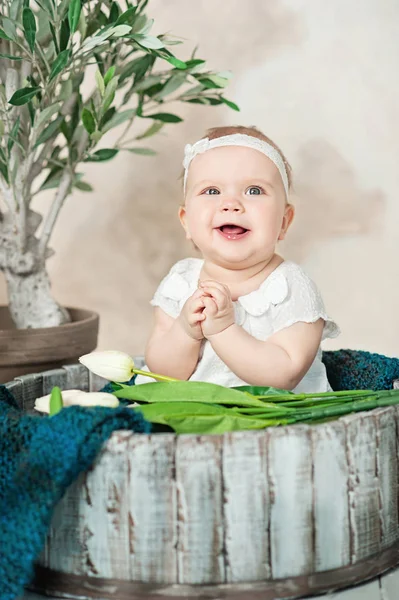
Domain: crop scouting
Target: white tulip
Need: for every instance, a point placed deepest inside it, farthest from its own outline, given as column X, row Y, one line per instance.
column 77, row 397
column 109, row 364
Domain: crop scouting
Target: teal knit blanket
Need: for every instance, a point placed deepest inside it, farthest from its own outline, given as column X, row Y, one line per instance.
column 39, row 459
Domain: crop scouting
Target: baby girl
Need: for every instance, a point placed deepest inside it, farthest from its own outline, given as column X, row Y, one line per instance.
column 241, row 314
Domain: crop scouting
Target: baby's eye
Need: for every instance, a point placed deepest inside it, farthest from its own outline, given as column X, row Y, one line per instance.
column 254, row 190
column 210, row 191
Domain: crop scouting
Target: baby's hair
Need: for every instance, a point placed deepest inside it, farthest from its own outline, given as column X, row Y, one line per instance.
column 217, row 132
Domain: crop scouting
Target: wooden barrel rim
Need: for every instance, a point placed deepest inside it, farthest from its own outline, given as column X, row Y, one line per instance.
column 77, row 586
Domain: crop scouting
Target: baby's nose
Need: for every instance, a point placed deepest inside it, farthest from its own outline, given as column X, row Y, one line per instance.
column 231, row 204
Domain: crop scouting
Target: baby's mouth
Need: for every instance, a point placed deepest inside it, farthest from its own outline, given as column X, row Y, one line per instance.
column 232, row 232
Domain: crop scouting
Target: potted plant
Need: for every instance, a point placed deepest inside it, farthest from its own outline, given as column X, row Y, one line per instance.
column 49, row 128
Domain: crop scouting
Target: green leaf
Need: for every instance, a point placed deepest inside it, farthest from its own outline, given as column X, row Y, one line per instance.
column 13, row 134
column 109, row 75
column 172, row 85
column 56, row 403
column 119, row 118
column 4, row 171
column 54, row 36
column 82, row 25
column 113, row 13
column 49, row 131
column 4, row 36
column 100, row 82
column 74, row 15
column 230, row 103
column 142, row 151
column 84, row 186
column 138, row 67
column 102, row 155
column 9, row 28
column 127, row 17
column 64, row 34
column 23, row 96
column 164, row 117
column 262, row 391
column 179, row 64
column 109, row 94
column 152, row 130
column 199, row 418
column 29, row 23
column 60, row 63
column 190, row 391
column 120, row 30
column 47, row 6
column 88, row 121
column 147, row 41
column 47, row 113
column 11, row 57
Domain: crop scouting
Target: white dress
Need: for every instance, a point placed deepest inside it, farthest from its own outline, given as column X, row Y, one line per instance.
column 287, row 296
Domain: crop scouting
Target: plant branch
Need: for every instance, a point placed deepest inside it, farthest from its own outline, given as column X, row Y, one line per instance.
column 61, row 194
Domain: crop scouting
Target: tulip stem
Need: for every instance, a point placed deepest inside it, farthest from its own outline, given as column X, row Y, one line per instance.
column 154, row 375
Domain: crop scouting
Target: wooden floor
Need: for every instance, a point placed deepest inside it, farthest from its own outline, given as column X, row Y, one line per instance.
column 385, row 587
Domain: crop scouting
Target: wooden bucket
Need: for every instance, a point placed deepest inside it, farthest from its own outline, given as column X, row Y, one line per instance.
column 280, row 513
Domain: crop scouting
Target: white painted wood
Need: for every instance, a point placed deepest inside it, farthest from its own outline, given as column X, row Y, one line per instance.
column 330, row 502
column 246, row 506
column 290, row 480
column 364, row 500
column 53, row 377
column 105, row 524
column 77, row 377
column 387, row 473
column 64, row 549
column 152, row 508
column 200, row 519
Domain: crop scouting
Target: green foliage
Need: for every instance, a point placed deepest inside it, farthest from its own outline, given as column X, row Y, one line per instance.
column 199, row 407
column 56, row 403
column 135, row 76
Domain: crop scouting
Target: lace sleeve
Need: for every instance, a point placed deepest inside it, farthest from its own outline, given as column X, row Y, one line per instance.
column 303, row 303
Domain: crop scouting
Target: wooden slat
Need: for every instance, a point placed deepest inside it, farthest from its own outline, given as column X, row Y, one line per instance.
column 15, row 388
column 64, row 549
column 364, row 501
column 54, row 377
column 331, row 502
column 77, row 377
column 290, row 480
column 246, row 506
column 387, row 473
column 96, row 382
column 152, row 508
column 105, row 523
column 200, row 519
column 32, row 388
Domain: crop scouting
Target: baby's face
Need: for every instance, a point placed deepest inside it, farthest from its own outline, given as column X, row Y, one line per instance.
column 235, row 207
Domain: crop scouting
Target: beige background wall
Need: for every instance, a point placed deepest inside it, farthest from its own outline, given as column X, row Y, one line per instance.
column 318, row 77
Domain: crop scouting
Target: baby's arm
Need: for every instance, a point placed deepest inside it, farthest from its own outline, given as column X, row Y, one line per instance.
column 281, row 361
column 174, row 345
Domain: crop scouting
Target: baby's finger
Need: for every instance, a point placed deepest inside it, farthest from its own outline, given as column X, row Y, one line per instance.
column 211, row 307
column 218, row 296
column 215, row 284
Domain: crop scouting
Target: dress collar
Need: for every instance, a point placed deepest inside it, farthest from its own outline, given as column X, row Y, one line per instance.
column 271, row 292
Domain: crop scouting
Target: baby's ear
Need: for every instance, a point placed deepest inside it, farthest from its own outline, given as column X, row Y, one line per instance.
column 289, row 214
column 182, row 217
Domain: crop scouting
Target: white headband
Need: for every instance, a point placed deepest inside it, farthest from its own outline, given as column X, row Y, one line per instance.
column 236, row 139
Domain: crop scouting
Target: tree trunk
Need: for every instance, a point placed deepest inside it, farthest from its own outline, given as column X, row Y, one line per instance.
column 30, row 301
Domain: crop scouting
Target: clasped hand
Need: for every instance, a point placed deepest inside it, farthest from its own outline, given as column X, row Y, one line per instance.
column 208, row 311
